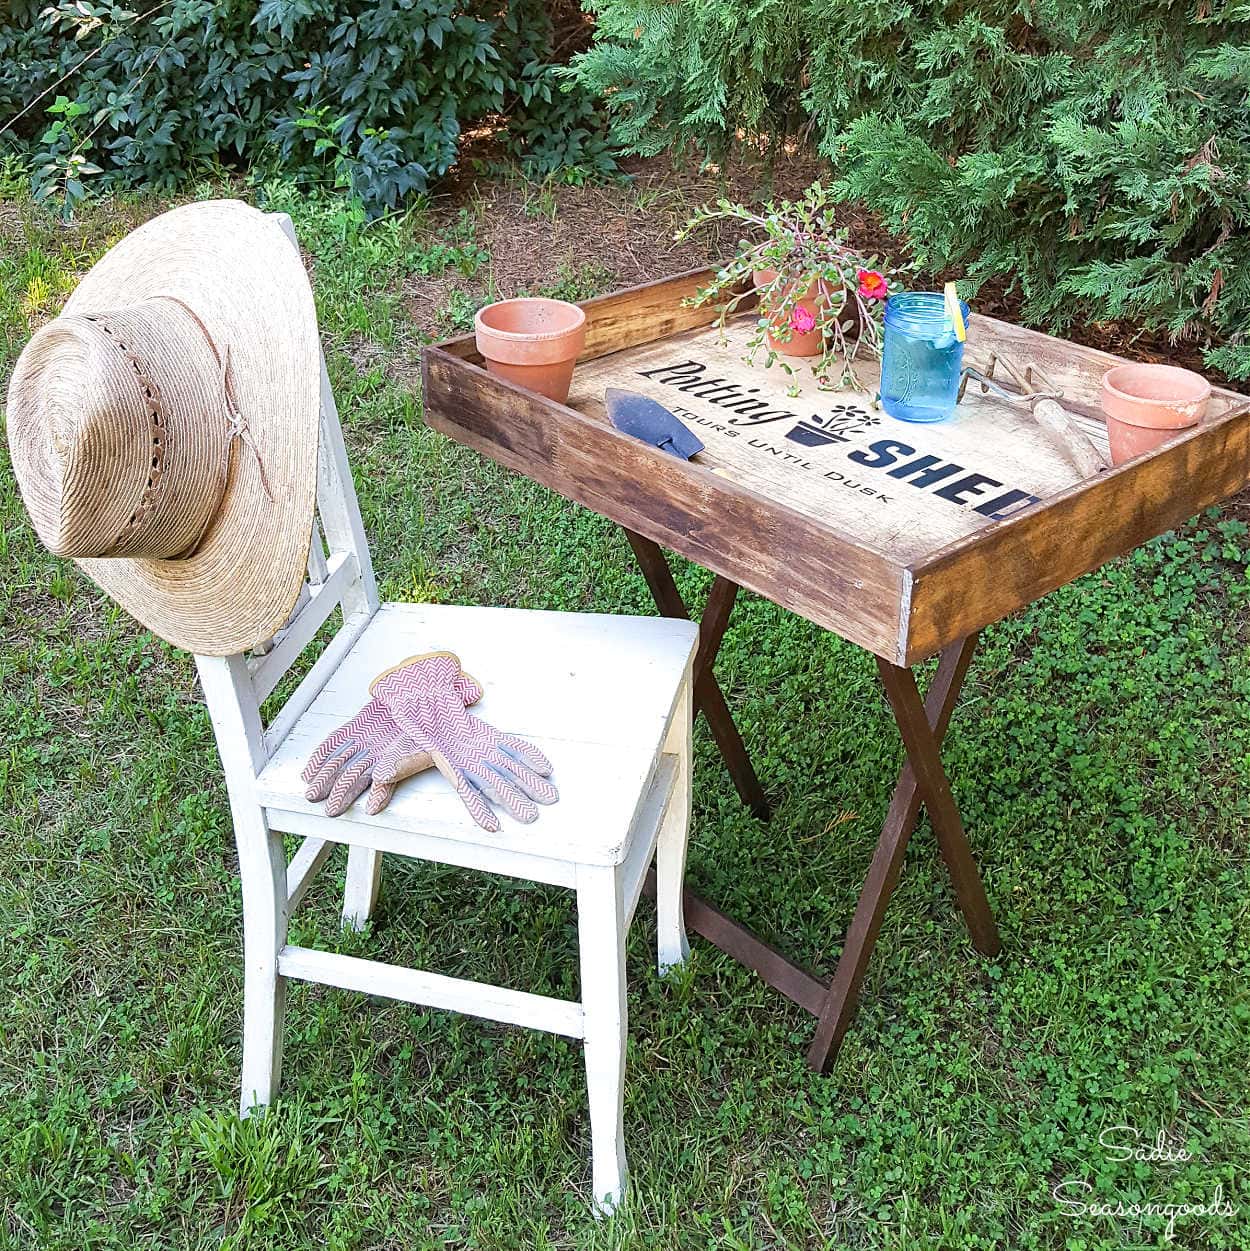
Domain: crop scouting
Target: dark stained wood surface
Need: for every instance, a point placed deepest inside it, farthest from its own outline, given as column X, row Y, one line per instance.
column 902, row 571
column 639, row 315
column 838, row 1010
column 630, row 317
column 924, row 759
column 903, row 585
column 973, row 584
column 714, row 623
column 709, row 699
column 758, row 542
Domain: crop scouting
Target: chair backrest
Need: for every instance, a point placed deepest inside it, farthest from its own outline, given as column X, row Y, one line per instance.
column 340, row 576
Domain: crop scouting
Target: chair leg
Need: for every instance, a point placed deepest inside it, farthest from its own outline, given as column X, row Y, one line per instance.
column 601, row 941
column 364, row 875
column 670, row 855
column 262, row 873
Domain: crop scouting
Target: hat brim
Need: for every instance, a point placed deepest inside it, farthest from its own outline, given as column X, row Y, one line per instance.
column 237, row 271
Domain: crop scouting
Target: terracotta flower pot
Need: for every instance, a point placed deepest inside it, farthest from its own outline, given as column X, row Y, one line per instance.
column 1146, row 405
column 532, row 342
column 812, row 302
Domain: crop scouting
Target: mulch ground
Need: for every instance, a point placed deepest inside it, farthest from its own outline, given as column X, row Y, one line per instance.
column 622, row 234
column 626, row 230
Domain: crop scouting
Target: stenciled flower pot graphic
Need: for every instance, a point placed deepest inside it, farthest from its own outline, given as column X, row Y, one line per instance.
column 1146, row 405
column 533, row 342
column 813, row 436
column 799, row 321
column 835, row 426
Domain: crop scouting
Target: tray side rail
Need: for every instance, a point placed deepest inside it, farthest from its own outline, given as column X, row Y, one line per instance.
column 994, row 572
column 760, row 543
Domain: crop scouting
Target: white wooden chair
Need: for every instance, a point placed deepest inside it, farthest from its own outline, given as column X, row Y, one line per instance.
column 607, row 698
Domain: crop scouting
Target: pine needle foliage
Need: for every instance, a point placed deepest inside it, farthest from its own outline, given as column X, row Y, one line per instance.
column 1095, row 154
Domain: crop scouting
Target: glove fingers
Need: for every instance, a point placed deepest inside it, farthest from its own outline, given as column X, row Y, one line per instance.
column 351, row 782
column 527, row 753
column 321, row 779
column 516, row 771
column 478, row 808
column 379, row 796
column 498, row 786
column 327, row 750
column 467, row 688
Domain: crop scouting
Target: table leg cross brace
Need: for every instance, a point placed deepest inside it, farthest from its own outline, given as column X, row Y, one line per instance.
column 923, row 725
column 922, row 780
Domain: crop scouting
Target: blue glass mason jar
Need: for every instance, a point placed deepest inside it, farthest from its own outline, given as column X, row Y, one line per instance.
column 921, row 357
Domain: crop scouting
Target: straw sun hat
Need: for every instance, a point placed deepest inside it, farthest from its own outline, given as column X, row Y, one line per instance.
column 163, row 428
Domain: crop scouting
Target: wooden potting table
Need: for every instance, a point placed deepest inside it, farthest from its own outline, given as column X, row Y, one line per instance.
column 904, row 539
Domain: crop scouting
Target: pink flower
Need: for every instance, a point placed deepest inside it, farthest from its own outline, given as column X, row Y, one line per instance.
column 872, row 285
column 801, row 321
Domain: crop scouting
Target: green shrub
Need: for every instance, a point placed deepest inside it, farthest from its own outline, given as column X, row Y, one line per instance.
column 1095, row 154
column 377, row 93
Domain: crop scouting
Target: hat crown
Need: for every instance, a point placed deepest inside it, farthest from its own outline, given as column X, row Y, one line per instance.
column 208, row 307
column 119, row 431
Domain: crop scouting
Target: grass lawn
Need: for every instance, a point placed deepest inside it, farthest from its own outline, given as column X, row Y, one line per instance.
column 1100, row 755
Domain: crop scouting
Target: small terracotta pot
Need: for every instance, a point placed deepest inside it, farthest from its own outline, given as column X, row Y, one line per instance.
column 532, row 342
column 812, row 343
column 1146, row 405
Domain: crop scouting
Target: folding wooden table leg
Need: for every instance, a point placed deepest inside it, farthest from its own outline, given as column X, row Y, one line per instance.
column 924, row 756
column 922, row 724
column 883, row 873
column 709, row 699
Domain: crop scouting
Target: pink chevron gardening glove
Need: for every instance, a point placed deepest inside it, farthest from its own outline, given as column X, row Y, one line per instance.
column 345, row 765
column 426, row 700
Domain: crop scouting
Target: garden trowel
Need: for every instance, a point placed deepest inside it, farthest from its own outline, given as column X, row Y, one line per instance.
column 645, row 419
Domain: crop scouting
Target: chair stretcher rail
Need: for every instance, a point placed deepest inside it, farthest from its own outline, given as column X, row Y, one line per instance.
column 432, row 990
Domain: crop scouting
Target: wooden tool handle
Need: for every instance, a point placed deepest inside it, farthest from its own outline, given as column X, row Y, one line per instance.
column 1069, row 438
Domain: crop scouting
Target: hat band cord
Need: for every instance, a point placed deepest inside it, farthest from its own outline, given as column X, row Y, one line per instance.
column 236, row 422
column 237, row 425
column 154, row 404
column 238, row 428
column 154, row 489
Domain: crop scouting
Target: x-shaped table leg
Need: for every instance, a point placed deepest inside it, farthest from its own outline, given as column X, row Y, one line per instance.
column 922, row 724
column 709, row 699
column 923, row 780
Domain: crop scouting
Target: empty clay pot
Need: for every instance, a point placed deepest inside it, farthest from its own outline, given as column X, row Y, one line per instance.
column 1146, row 405
column 810, row 343
column 532, row 342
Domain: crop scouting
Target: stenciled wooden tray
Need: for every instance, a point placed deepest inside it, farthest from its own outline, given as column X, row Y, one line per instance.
column 899, row 536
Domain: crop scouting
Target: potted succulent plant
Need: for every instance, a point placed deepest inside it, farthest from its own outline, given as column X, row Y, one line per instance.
column 818, row 297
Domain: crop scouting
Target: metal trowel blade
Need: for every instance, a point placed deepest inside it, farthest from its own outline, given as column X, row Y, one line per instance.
column 645, row 419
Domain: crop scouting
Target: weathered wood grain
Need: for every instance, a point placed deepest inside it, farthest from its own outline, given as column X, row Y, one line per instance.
column 642, row 314
column 630, row 317
column 760, row 542
column 899, row 537
column 972, row 584
column 783, row 437
column 1073, row 367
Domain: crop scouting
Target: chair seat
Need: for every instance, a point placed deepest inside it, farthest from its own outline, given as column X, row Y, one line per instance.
column 595, row 693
